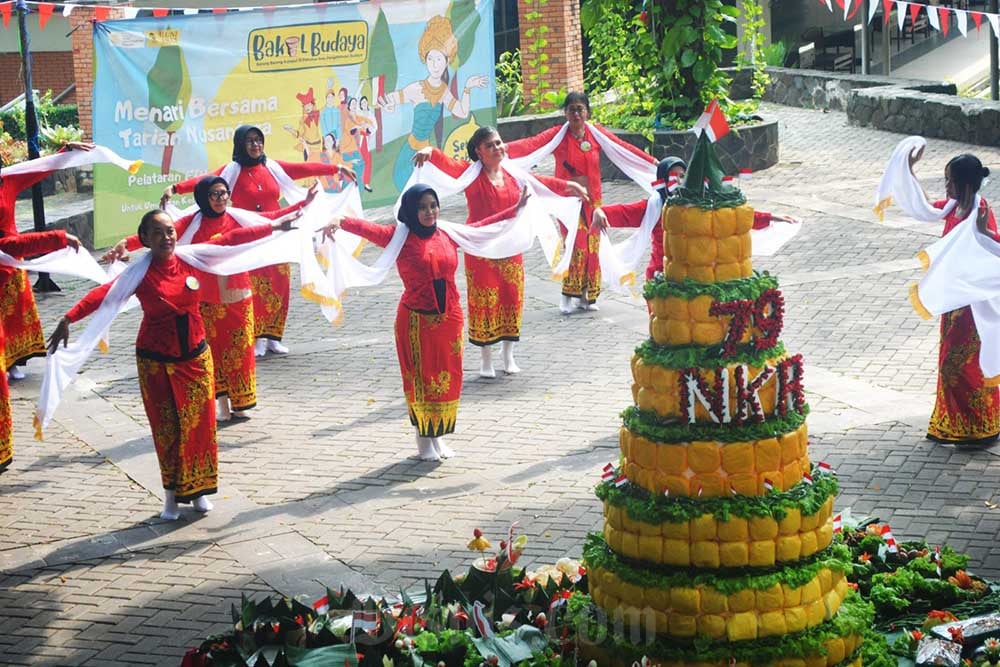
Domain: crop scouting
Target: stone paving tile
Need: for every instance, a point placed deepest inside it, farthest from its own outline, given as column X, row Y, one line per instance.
column 143, row 607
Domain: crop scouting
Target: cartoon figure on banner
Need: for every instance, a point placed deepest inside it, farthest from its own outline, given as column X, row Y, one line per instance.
column 308, row 133
column 355, row 126
column 331, row 155
column 366, row 154
column 437, row 48
column 336, row 100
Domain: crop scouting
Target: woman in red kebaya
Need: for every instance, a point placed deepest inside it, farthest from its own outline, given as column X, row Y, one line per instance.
column 578, row 159
column 226, row 307
column 257, row 186
column 176, row 374
column 429, row 324
column 19, row 245
column 495, row 286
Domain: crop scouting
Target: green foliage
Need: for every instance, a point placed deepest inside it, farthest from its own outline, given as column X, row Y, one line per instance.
column 49, row 114
column 774, row 54
column 650, row 426
column 12, row 150
column 510, row 88
column 731, row 290
column 58, row 136
column 542, row 93
column 700, row 356
column 751, row 52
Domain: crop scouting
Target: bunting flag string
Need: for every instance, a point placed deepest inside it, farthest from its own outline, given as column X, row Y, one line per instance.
column 939, row 18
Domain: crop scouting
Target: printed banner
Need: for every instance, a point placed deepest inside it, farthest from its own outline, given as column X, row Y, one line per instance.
column 366, row 85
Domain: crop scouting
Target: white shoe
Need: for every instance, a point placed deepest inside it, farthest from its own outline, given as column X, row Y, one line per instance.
column 170, row 510
column 260, row 347
column 203, row 504
column 241, row 414
column 276, row 347
column 222, row 411
column 425, row 449
column 509, row 365
column 486, row 367
column 15, row 373
column 566, row 304
column 443, row 450
column 593, row 307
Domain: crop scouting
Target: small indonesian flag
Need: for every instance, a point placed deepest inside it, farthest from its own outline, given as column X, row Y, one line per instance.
column 700, row 490
column 712, row 122
column 706, row 181
column 890, row 541
column 825, row 467
column 621, row 481
column 768, row 485
column 937, row 559
column 727, row 180
column 657, row 184
column 479, row 619
column 322, row 605
column 732, row 490
column 838, row 525
column 608, row 473
column 666, row 492
column 510, row 539
column 745, row 174
column 365, row 620
column 807, row 478
column 673, row 182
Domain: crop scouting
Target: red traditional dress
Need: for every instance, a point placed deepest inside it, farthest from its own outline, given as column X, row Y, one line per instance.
column 579, row 160
column 176, row 373
column 965, row 408
column 227, row 313
column 19, row 246
column 428, row 322
column 22, row 327
column 256, row 190
column 495, row 287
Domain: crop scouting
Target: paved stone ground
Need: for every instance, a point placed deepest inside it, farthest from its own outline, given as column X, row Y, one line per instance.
column 320, row 486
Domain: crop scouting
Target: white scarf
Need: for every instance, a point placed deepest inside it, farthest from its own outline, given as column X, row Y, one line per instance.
column 313, row 284
column 65, row 261
column 543, row 206
column 963, row 267
column 62, row 366
column 72, row 158
column 620, row 261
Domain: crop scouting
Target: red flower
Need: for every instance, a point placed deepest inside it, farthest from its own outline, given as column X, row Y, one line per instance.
column 956, row 635
column 864, row 557
column 524, row 584
column 916, row 635
column 853, row 586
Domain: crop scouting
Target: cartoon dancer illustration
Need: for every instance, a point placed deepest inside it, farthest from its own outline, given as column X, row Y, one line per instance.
column 308, row 133
column 366, row 154
column 329, row 117
column 356, row 128
column 331, row 155
column 437, row 48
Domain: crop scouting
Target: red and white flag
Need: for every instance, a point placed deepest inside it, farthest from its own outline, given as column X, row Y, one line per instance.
column 666, row 492
column 608, row 472
column 713, row 122
column 890, row 541
column 659, row 183
column 365, row 620
column 510, row 539
column 838, row 526
column 937, row 559
column 768, row 485
column 745, row 174
column 621, row 481
column 825, row 467
column 673, row 182
column 732, row 490
column 807, row 478
column 700, row 490
column 727, row 180
column 322, row 605
column 479, row 618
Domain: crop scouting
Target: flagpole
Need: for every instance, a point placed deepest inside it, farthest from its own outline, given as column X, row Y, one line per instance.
column 44, row 282
column 865, row 59
column 994, row 64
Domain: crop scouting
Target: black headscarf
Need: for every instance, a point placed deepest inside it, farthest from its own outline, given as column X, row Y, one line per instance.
column 408, row 210
column 240, row 154
column 663, row 171
column 201, row 195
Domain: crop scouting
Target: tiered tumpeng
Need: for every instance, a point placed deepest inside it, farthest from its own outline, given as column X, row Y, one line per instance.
column 716, row 546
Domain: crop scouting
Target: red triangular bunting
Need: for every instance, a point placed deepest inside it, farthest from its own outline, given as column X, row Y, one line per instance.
column 886, row 10
column 219, row 10
column 101, row 12
column 44, row 13
column 840, row 3
column 160, row 12
column 914, row 10
column 977, row 18
column 857, row 6
column 5, row 11
column 943, row 16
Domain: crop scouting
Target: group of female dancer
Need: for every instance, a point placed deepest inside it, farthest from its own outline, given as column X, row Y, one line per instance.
column 194, row 343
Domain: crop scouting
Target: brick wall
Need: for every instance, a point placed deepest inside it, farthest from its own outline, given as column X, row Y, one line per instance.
column 564, row 50
column 49, row 70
